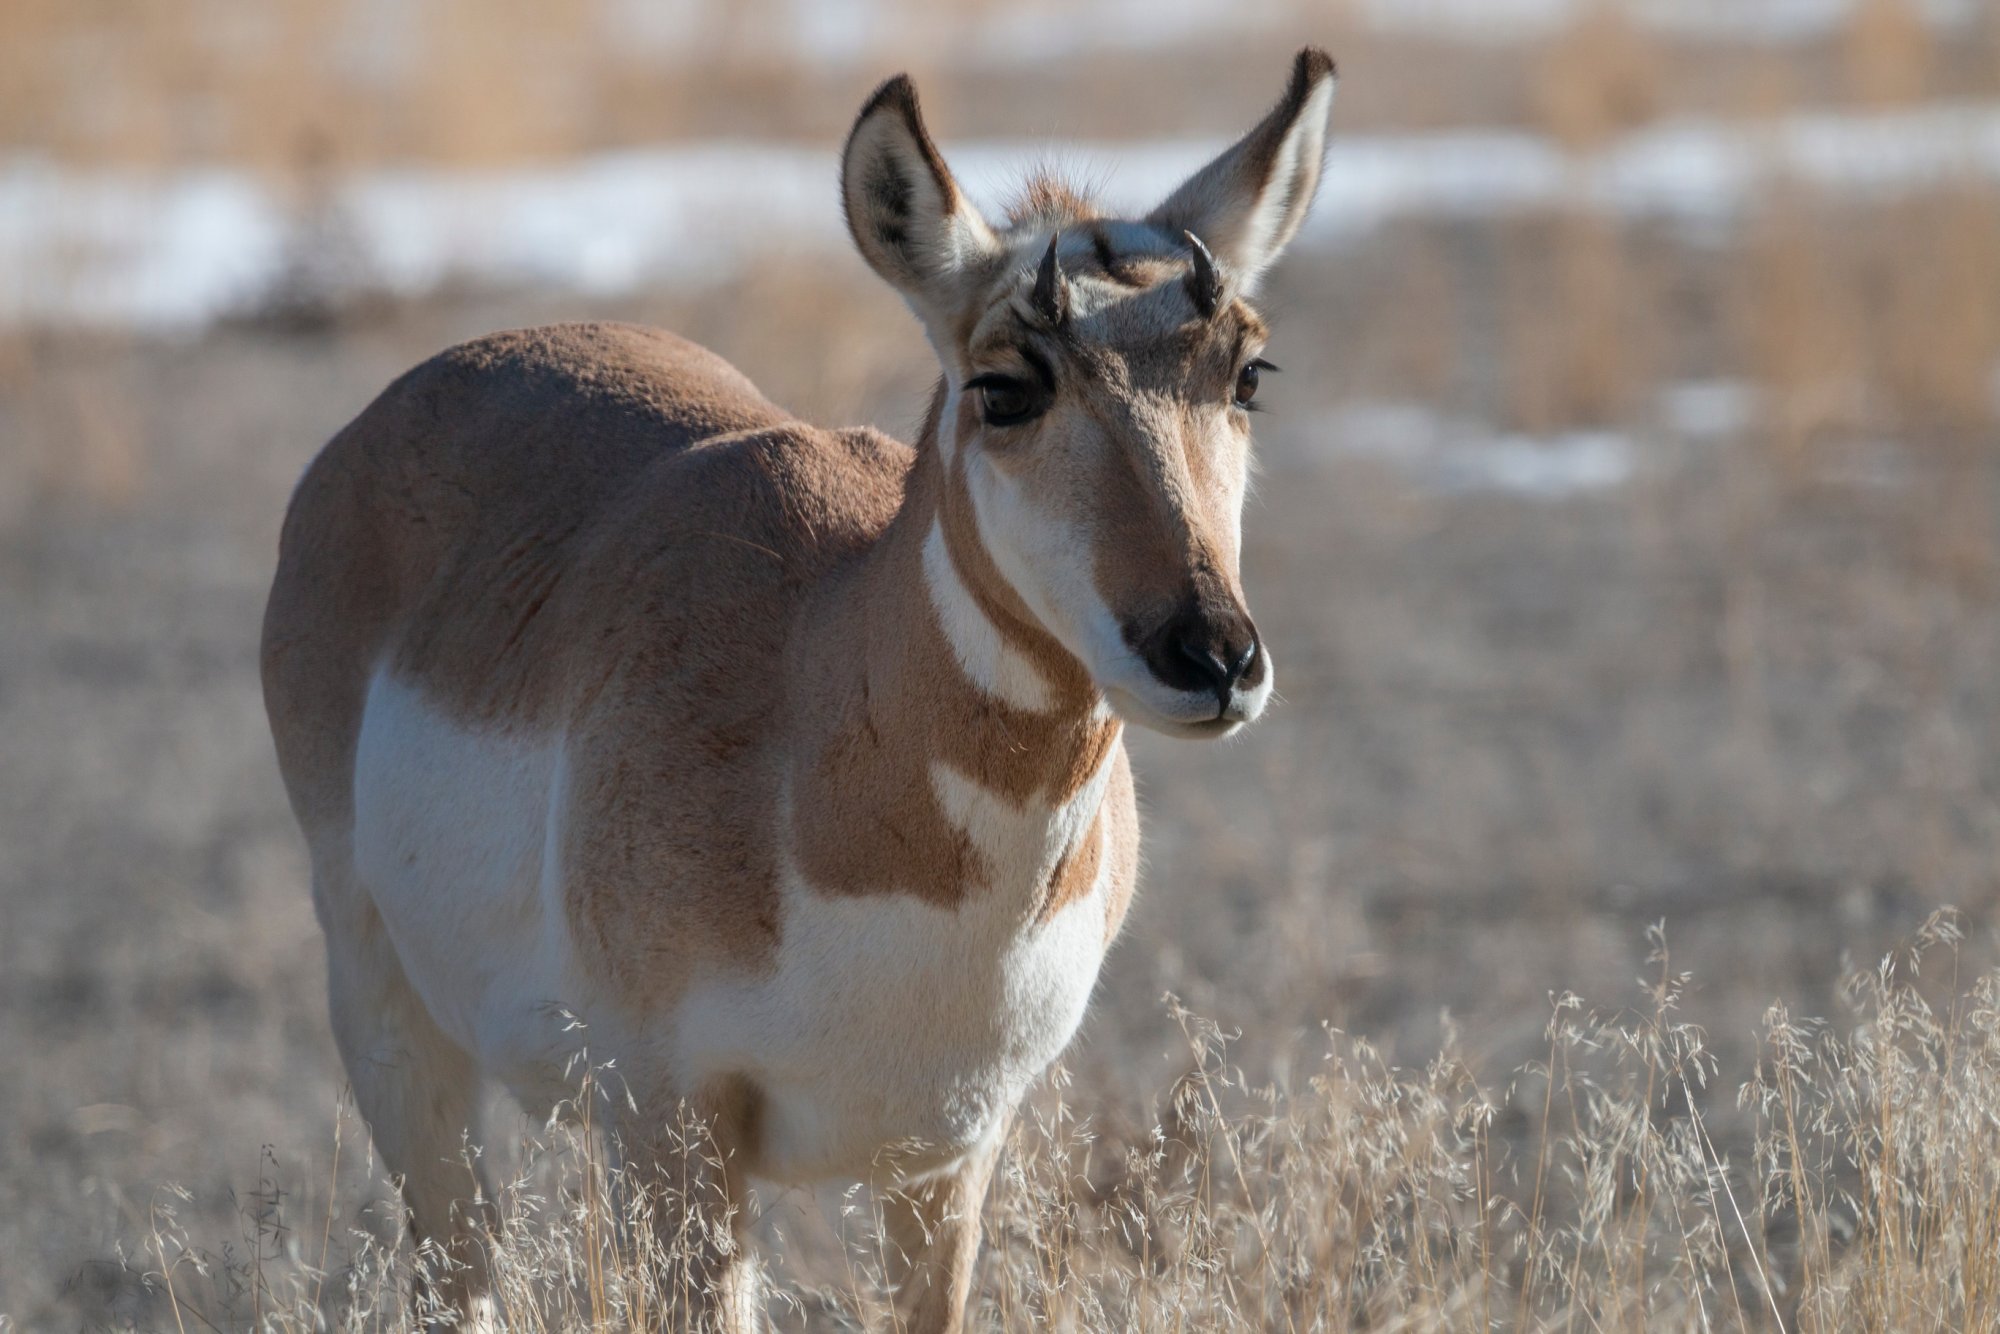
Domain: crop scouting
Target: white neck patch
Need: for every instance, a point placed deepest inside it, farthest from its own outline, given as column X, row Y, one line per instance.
column 989, row 661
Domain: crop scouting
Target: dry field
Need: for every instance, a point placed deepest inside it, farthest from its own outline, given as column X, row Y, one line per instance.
column 1637, row 595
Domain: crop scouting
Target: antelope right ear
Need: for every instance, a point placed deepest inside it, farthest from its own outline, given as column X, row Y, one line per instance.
column 908, row 217
column 1249, row 203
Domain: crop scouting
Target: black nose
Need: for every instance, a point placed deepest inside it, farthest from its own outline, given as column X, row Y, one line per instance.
column 1221, row 675
column 1209, row 647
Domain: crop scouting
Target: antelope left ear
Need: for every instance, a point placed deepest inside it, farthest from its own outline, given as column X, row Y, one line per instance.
column 1248, row 204
column 908, row 216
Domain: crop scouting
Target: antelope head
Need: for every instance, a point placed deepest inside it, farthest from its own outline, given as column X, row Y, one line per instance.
column 1098, row 380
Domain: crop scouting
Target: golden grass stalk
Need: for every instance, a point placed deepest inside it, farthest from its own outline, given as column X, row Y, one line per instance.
column 1851, row 1184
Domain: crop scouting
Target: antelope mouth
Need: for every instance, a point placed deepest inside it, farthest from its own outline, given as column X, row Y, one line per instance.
column 1191, row 716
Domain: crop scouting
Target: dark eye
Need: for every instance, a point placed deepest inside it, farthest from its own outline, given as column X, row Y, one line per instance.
column 1006, row 401
column 1246, row 380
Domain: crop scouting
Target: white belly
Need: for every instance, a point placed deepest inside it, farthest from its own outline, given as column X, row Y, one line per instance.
column 887, row 1028
column 452, row 840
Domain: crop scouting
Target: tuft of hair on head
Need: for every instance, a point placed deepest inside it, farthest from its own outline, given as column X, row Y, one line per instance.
column 1048, row 200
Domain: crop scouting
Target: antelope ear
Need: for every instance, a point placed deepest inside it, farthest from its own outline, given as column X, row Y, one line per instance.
column 908, row 217
column 1248, row 204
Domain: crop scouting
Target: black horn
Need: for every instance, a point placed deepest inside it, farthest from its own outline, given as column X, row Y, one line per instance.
column 1204, row 284
column 1051, row 292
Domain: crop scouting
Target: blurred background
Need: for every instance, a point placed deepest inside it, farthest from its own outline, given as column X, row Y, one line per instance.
column 1628, row 529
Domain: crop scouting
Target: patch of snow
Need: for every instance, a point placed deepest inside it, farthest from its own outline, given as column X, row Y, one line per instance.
column 835, row 31
column 1555, row 468
column 1408, row 434
column 142, row 249
column 1708, row 409
column 1451, row 455
column 113, row 248
column 1492, row 19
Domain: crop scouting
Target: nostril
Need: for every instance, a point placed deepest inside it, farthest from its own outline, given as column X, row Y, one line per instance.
column 1214, row 671
column 1240, row 668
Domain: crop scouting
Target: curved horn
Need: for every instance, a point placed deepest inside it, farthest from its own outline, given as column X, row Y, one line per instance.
column 1204, row 284
column 1051, row 291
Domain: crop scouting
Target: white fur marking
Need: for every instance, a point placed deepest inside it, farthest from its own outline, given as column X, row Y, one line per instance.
column 1022, row 844
column 885, row 1020
column 888, row 1020
column 1060, row 566
column 455, row 840
column 990, row 662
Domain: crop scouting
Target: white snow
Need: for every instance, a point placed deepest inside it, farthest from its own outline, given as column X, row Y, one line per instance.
column 1444, row 453
column 1708, row 409
column 1542, row 469
column 1453, row 455
column 130, row 248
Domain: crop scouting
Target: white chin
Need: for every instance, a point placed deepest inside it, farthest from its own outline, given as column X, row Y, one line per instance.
column 1140, row 699
column 1175, row 714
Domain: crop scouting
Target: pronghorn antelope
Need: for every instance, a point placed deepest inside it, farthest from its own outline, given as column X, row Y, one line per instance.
column 787, row 759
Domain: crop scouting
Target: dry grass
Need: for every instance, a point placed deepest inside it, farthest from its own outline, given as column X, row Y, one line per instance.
column 1886, row 50
column 1751, row 695
column 1846, row 1179
column 1753, row 691
column 1598, row 78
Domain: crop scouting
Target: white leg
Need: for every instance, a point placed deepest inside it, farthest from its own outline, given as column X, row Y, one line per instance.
column 932, row 1229
column 416, row 1088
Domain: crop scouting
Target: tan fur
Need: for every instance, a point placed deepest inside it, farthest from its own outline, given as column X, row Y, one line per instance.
column 1120, row 842
column 1047, row 200
column 932, row 1236
column 570, row 571
column 873, row 822
column 603, row 539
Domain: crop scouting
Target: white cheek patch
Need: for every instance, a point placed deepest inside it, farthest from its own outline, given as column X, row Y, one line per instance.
column 1046, row 563
column 1049, row 566
column 989, row 661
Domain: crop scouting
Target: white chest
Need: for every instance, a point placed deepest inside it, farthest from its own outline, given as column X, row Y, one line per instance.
column 891, row 1032
column 896, row 1033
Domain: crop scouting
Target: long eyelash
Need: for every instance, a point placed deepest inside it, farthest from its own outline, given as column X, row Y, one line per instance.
column 1264, row 365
